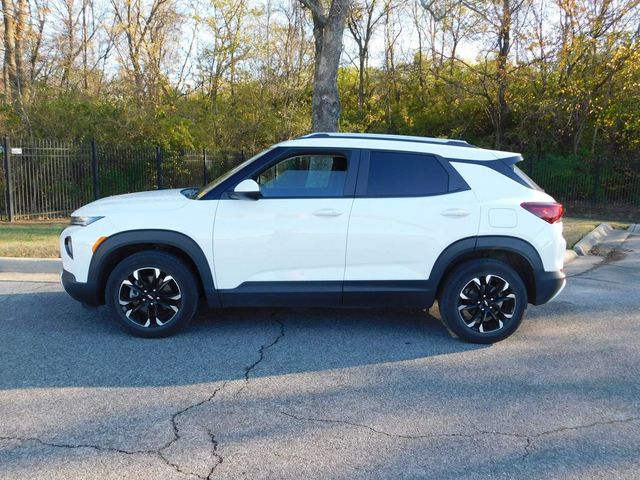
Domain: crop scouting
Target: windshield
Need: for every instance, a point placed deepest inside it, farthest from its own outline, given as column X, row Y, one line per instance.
column 210, row 186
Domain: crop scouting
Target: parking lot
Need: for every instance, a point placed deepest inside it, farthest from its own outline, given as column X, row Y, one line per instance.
column 266, row 393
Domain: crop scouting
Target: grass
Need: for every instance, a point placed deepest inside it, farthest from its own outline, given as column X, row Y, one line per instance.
column 611, row 212
column 40, row 239
column 575, row 228
column 30, row 239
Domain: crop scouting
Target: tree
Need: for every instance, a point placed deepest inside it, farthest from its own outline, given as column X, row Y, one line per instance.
column 149, row 30
column 495, row 20
column 15, row 31
column 76, row 31
column 362, row 22
column 328, row 30
column 229, row 47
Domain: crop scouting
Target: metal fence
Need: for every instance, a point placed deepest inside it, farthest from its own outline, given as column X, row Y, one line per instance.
column 49, row 178
column 42, row 179
column 607, row 186
column 604, row 183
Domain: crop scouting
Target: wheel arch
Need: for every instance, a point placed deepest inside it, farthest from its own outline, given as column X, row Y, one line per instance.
column 119, row 246
column 515, row 252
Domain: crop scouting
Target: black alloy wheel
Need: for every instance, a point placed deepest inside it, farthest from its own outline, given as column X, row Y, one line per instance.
column 150, row 297
column 486, row 303
column 152, row 293
column 483, row 300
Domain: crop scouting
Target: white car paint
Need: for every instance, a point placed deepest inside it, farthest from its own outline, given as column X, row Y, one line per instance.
column 280, row 240
column 330, row 238
column 164, row 210
column 547, row 239
column 401, row 238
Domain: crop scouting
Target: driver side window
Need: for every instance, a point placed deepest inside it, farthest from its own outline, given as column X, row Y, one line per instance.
column 305, row 176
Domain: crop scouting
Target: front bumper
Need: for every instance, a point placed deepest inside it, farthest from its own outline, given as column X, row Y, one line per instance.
column 86, row 293
column 547, row 286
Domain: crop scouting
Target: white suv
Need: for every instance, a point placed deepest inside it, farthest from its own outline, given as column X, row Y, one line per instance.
column 328, row 219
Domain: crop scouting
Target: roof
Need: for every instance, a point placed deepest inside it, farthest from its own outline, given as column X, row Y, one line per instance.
column 385, row 136
column 447, row 148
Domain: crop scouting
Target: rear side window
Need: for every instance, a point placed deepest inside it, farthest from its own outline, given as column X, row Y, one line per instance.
column 397, row 174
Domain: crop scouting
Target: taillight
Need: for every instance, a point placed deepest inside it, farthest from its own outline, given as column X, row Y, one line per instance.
column 550, row 212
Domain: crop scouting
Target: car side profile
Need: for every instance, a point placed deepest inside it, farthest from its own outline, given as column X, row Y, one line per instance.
column 331, row 220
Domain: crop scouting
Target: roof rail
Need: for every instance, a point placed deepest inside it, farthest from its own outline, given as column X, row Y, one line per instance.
column 384, row 136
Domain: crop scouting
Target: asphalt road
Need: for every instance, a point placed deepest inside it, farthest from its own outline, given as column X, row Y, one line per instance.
column 338, row 394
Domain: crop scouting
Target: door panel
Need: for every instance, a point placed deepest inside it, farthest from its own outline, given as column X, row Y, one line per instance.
column 293, row 240
column 401, row 238
column 273, row 240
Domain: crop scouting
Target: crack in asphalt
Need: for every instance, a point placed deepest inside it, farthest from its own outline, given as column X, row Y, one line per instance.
column 218, row 458
column 102, row 449
column 601, row 280
column 530, row 446
column 374, row 430
column 601, row 263
column 624, row 268
column 176, row 434
column 261, row 352
column 530, row 439
column 160, row 452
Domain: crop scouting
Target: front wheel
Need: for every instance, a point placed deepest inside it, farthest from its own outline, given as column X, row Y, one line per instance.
column 483, row 301
column 152, row 294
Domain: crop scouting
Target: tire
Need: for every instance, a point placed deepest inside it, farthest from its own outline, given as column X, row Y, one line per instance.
column 483, row 301
column 152, row 294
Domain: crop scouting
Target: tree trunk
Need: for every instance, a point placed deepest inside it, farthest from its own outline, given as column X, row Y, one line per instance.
column 362, row 66
column 9, row 51
column 328, row 31
column 15, row 25
column 504, row 46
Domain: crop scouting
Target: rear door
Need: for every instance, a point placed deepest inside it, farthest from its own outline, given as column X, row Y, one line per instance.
column 408, row 208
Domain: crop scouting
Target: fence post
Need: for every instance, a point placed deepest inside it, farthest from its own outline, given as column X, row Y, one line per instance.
column 7, row 179
column 204, row 165
column 159, row 167
column 94, row 169
column 595, row 194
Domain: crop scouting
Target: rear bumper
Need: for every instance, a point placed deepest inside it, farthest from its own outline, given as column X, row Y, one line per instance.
column 548, row 286
column 86, row 293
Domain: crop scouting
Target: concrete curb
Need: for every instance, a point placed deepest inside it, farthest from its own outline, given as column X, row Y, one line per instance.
column 30, row 277
column 30, row 265
column 605, row 236
column 569, row 256
column 584, row 246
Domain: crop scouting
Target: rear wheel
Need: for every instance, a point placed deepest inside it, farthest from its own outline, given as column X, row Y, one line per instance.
column 483, row 301
column 152, row 294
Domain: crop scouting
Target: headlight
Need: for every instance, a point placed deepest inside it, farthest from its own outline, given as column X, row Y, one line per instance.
column 84, row 221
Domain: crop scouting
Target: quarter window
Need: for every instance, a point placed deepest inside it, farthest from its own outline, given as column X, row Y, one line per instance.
column 305, row 176
column 395, row 174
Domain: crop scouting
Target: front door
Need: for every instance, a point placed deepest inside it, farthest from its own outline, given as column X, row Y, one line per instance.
column 288, row 247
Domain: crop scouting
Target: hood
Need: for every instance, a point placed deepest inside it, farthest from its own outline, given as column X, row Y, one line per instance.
column 154, row 200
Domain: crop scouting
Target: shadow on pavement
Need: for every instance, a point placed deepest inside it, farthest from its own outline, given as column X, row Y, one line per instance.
column 49, row 340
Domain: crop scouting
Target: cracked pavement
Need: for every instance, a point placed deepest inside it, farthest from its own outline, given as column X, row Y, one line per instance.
column 275, row 393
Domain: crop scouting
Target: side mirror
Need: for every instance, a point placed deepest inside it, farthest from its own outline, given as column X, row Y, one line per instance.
column 247, row 189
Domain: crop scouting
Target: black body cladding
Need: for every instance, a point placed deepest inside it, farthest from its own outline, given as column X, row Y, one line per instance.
column 393, row 293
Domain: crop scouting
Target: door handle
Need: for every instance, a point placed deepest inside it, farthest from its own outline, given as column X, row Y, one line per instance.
column 455, row 212
column 327, row 212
